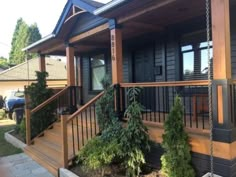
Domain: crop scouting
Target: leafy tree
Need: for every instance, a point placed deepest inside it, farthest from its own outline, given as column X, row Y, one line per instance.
column 177, row 158
column 39, row 93
column 23, row 36
column 3, row 63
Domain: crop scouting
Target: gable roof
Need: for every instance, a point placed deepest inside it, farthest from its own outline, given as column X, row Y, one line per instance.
column 86, row 5
column 56, row 70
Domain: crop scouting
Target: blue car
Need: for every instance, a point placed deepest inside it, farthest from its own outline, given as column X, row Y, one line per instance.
column 14, row 99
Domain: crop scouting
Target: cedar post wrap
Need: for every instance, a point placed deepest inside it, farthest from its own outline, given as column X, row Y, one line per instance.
column 222, row 76
column 42, row 65
column 64, row 141
column 70, row 55
column 27, row 119
column 116, row 63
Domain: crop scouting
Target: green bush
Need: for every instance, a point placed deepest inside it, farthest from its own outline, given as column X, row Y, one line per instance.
column 105, row 105
column 21, row 129
column 125, row 146
column 39, row 93
column 135, row 138
column 177, row 158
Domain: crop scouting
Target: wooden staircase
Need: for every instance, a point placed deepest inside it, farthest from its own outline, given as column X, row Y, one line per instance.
column 47, row 149
column 56, row 146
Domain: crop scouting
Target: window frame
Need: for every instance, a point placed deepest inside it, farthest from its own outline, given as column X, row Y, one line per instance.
column 91, row 90
column 193, row 40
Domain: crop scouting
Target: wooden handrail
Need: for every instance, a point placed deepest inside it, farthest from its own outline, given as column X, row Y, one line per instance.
column 84, row 107
column 166, row 84
column 49, row 100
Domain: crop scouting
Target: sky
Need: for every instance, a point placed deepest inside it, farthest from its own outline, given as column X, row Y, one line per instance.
column 43, row 12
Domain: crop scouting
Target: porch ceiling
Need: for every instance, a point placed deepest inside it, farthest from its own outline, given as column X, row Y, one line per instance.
column 137, row 19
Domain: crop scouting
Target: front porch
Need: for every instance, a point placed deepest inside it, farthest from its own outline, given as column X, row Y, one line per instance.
column 165, row 57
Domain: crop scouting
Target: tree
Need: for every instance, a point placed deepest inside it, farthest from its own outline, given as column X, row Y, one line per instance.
column 33, row 35
column 3, row 63
column 23, row 36
column 38, row 93
column 177, row 158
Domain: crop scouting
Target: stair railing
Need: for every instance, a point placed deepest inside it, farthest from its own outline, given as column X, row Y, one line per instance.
column 81, row 126
column 63, row 101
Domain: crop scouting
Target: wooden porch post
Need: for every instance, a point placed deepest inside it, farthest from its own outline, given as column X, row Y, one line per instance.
column 116, row 63
column 27, row 120
column 70, row 65
column 42, row 65
column 221, row 39
column 64, row 141
column 116, row 53
column 222, row 76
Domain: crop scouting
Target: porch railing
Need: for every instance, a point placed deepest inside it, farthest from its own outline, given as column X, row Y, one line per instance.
column 158, row 98
column 78, row 128
column 64, row 101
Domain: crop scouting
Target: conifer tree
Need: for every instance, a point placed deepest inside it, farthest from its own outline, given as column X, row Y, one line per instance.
column 23, row 36
column 176, row 161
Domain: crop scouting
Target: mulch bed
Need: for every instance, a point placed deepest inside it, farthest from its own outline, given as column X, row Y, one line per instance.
column 18, row 136
column 112, row 171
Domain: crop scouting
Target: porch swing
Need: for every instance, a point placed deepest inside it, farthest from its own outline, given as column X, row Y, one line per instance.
column 211, row 173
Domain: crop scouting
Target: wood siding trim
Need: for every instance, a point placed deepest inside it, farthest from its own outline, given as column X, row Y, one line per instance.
column 199, row 141
column 89, row 33
column 166, row 84
column 220, row 116
column 221, row 39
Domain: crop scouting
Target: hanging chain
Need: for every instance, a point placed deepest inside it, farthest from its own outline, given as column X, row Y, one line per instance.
column 209, row 84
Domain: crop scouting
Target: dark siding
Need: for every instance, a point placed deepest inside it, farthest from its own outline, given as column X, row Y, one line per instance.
column 233, row 42
column 160, row 61
column 171, row 61
column 127, row 59
column 87, row 22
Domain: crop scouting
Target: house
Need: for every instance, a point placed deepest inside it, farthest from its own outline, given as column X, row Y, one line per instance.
column 15, row 78
column 161, row 46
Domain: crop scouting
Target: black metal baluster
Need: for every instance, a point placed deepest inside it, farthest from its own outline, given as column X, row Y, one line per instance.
column 73, row 138
column 150, row 97
column 90, row 115
column 86, row 121
column 195, row 90
column 82, row 128
column 164, row 104
column 155, row 104
column 146, row 102
column 77, row 127
column 203, row 123
column 159, row 106
column 190, row 103
column 184, row 106
column 95, row 120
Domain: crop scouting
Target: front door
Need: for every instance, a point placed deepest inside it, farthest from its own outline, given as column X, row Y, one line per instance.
column 143, row 72
column 144, row 63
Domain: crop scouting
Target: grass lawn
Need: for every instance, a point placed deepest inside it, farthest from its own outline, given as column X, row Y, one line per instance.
column 6, row 148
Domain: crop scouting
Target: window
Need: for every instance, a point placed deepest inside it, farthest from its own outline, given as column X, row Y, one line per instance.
column 97, row 71
column 195, row 60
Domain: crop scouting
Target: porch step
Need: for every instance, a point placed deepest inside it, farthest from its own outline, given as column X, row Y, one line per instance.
column 47, row 149
column 43, row 159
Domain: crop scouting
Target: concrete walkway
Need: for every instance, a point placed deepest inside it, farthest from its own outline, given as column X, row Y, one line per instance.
column 21, row 165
